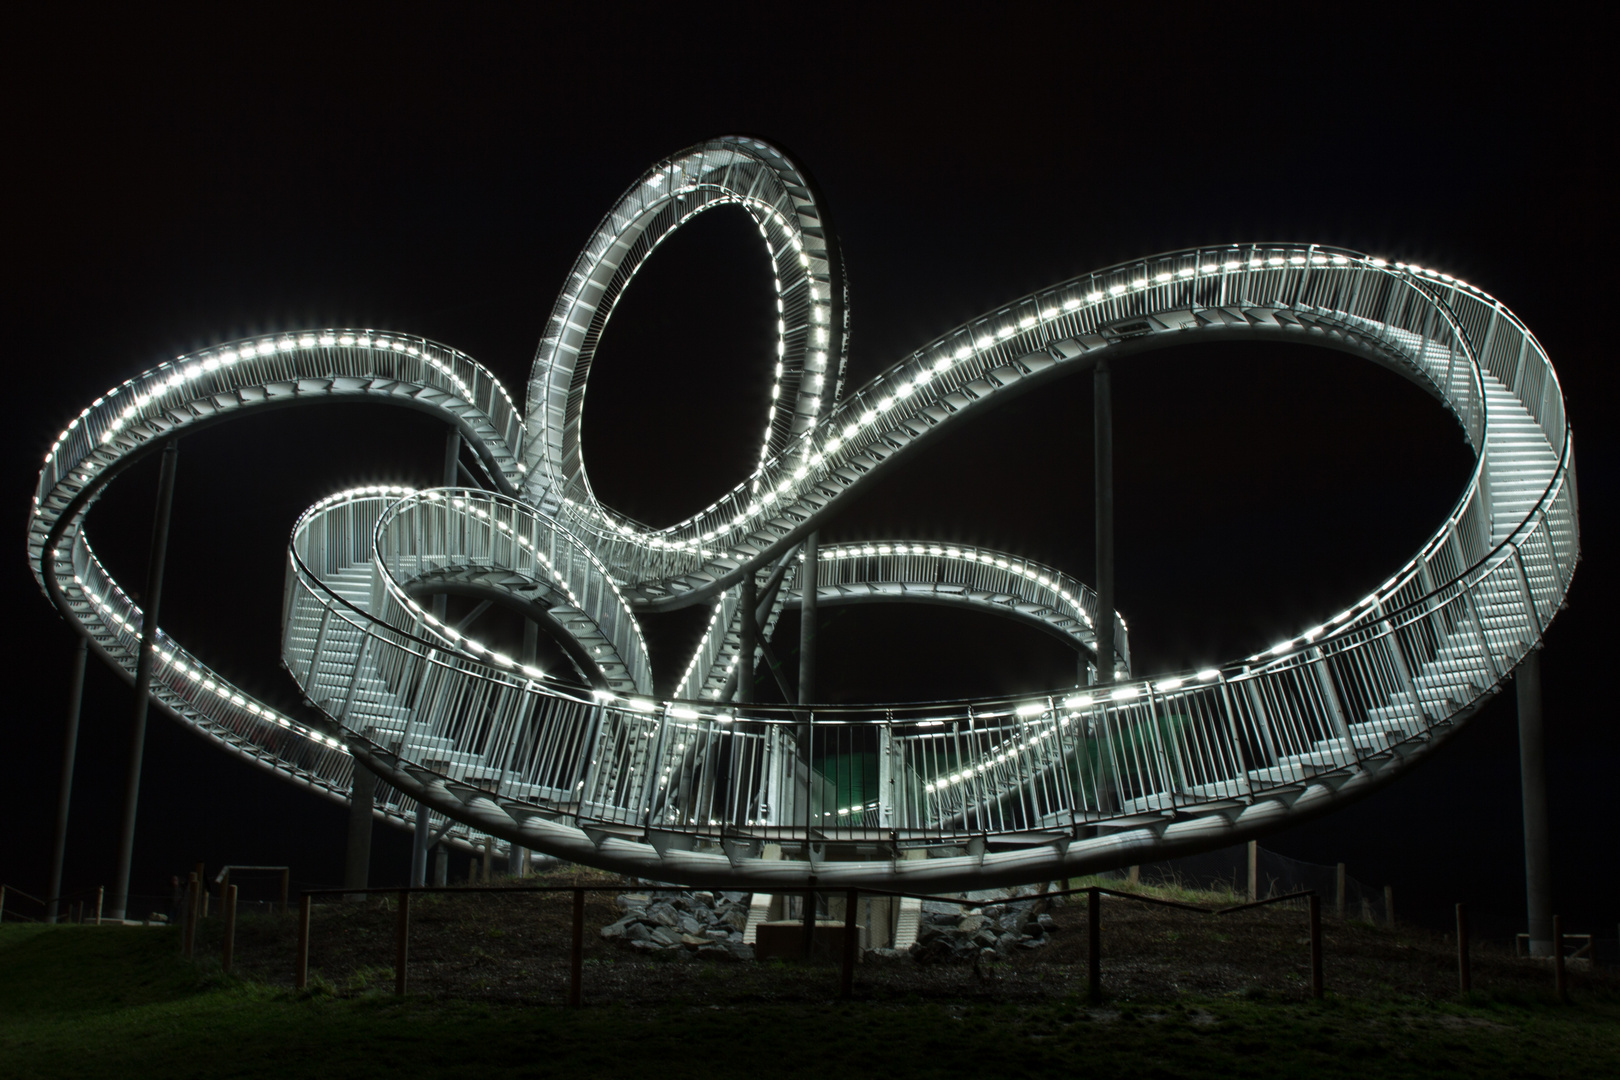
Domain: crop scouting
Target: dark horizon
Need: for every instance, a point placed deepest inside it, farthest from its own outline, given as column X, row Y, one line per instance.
column 179, row 194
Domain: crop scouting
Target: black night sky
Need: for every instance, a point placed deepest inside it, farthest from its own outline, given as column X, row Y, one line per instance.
column 183, row 183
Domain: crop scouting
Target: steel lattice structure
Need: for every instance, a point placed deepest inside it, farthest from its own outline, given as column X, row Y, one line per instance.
column 689, row 790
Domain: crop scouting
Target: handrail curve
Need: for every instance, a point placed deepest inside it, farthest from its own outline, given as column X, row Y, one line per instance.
column 692, row 789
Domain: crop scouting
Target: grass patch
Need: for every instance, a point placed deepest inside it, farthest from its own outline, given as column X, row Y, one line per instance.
column 90, row 1002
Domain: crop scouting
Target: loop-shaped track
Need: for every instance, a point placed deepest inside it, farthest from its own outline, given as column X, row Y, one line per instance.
column 691, row 790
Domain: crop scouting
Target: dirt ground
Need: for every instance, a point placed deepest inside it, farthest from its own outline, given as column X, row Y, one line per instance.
column 514, row 947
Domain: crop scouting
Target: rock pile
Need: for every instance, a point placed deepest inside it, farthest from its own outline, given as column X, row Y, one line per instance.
column 987, row 926
column 675, row 924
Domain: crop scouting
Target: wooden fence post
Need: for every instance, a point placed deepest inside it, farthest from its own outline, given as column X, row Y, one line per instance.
column 1389, row 905
column 1338, row 894
column 301, row 975
column 576, row 956
column 1094, row 940
column 402, row 938
column 1316, row 946
column 846, row 988
column 1254, row 870
column 189, row 941
column 101, row 895
column 228, row 904
column 286, row 879
column 1465, row 980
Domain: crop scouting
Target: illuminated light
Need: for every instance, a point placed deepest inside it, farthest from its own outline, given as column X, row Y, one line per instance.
column 1115, row 290
column 1209, row 673
column 1160, row 279
column 1079, row 701
column 1279, row 649
column 1125, row 693
column 1074, row 302
column 1378, row 262
column 1185, row 272
column 1296, row 260
column 1169, row 684
column 1034, row 708
column 1139, row 283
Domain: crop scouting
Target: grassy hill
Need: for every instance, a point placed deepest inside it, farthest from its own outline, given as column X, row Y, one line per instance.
column 1188, row 996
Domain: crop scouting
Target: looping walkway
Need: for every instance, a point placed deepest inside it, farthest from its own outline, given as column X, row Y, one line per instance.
column 587, row 765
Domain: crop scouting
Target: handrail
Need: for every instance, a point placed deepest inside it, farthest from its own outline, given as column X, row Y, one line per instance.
column 995, row 788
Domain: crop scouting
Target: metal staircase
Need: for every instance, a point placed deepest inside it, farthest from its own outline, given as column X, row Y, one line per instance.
column 694, row 789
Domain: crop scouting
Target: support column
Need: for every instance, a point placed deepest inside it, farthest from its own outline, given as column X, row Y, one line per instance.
column 807, row 617
column 1103, row 439
column 441, row 865
column 807, row 680
column 451, row 477
column 421, row 840
column 151, row 602
column 1533, row 785
column 357, row 863
column 64, row 797
column 749, row 634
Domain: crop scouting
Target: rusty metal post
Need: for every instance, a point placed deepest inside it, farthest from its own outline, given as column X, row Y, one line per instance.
column 228, row 902
column 1316, row 946
column 1560, row 981
column 1465, row 977
column 301, row 973
column 402, row 940
column 1094, row 940
column 846, row 987
column 576, row 958
column 1254, row 870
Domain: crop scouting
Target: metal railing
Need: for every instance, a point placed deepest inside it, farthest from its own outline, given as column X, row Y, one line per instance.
column 688, row 789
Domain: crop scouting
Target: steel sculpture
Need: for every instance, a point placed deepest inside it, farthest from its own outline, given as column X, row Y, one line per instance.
column 692, row 789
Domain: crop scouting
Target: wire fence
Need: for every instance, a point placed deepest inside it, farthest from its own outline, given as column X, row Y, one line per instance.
column 1253, row 871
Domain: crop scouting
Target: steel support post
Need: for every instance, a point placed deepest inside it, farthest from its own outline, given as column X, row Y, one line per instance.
column 151, row 601
column 1103, row 439
column 357, row 862
column 748, row 636
column 807, row 617
column 441, row 866
column 1533, row 785
column 64, row 796
column 450, row 478
column 421, row 840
